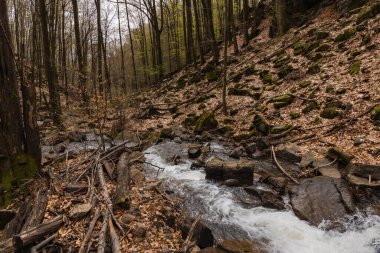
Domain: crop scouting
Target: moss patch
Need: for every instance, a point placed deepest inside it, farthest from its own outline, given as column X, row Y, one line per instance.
column 206, row 122
column 323, row 48
column 213, row 75
column 282, row 101
column 375, row 113
column 329, row 113
column 260, row 125
column 305, row 84
column 310, row 107
column 355, row 67
column 346, row 35
column 367, row 13
column 284, row 71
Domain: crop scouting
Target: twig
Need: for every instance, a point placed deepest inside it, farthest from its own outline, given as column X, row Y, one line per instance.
column 187, row 244
column 89, row 231
column 42, row 244
column 281, row 168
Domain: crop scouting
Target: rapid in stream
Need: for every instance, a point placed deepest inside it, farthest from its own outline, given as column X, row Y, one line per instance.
column 280, row 231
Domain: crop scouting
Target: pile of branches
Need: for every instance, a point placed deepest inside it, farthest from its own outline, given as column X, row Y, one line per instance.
column 30, row 230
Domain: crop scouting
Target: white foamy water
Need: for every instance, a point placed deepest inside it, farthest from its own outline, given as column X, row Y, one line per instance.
column 281, row 230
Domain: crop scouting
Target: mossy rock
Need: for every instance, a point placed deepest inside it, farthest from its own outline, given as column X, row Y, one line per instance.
column 320, row 35
column 341, row 91
column 310, row 107
column 266, row 76
column 317, row 121
column 228, row 120
column 375, row 113
column 206, row 122
column 250, row 70
column 340, row 155
column 310, row 46
column 197, row 78
column 181, row 83
column 243, row 137
column 285, row 70
column 366, row 39
column 335, row 103
column 329, row 113
column 355, row 67
column 281, row 60
column 314, row 68
column 354, row 53
column 305, row 84
column 329, row 88
column 150, row 137
column 282, row 101
column 166, row 133
column 190, row 120
column 280, row 129
column 294, row 115
column 260, row 125
column 238, row 92
column 368, row 13
column 317, row 57
column 345, row 35
column 261, row 108
column 299, row 47
column 323, row 48
column 213, row 75
column 202, row 106
column 257, row 95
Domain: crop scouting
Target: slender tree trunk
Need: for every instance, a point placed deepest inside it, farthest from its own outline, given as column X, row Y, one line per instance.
column 207, row 7
column 245, row 22
column 226, row 28
column 82, row 71
column 121, row 51
column 50, row 69
column 132, row 47
column 99, row 51
column 280, row 14
column 197, row 32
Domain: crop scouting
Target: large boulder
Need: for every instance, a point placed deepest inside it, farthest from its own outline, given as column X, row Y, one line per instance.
column 322, row 198
column 219, row 170
column 239, row 246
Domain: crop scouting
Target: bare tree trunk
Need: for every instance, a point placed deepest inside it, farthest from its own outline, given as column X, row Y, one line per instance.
column 55, row 105
column 207, row 7
column 280, row 14
column 132, row 47
column 226, row 28
column 245, row 22
column 197, row 32
column 82, row 71
column 121, row 51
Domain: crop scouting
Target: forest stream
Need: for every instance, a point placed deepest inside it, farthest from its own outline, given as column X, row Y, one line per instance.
column 230, row 218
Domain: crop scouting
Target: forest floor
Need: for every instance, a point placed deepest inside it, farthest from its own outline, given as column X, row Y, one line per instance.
column 317, row 85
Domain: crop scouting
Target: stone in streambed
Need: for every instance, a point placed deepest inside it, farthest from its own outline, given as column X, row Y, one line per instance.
column 219, row 170
column 322, row 198
column 194, row 151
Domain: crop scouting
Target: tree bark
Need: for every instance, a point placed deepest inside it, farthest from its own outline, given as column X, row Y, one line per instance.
column 50, row 69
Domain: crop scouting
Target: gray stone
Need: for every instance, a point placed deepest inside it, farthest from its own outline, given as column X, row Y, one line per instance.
column 79, row 211
column 194, row 151
column 140, row 230
column 322, row 198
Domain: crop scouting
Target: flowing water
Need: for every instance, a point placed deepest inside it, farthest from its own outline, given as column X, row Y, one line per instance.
column 281, row 231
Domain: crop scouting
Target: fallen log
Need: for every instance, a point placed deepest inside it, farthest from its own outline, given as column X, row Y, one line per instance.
column 116, row 248
column 16, row 224
column 42, row 244
column 75, row 188
column 122, row 197
column 90, row 229
column 109, row 169
column 37, row 233
column 36, row 216
column 103, row 233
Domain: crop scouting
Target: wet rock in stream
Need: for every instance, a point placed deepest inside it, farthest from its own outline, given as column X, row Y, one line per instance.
column 322, row 198
column 240, row 170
